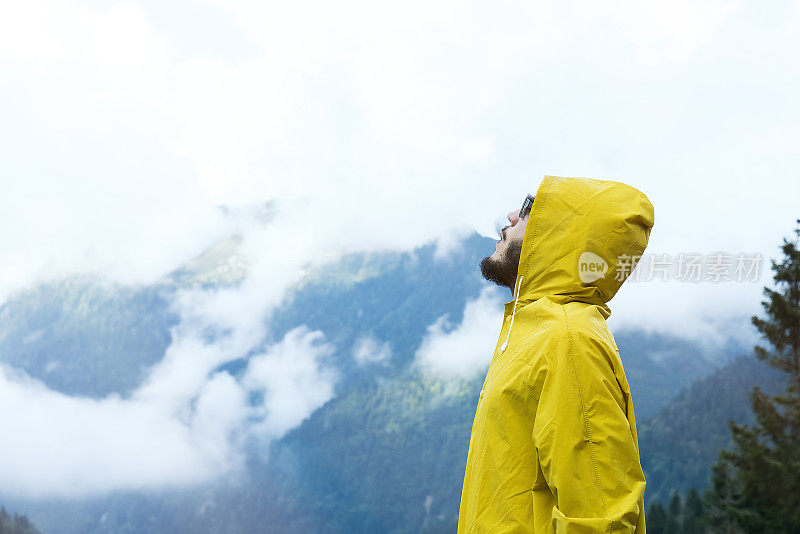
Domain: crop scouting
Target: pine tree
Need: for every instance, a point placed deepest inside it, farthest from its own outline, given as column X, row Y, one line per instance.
column 656, row 519
column 692, row 514
column 757, row 484
column 721, row 500
column 674, row 513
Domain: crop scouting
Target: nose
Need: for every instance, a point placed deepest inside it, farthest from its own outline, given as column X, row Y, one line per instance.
column 513, row 217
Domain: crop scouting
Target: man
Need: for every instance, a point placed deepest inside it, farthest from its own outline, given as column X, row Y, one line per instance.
column 553, row 445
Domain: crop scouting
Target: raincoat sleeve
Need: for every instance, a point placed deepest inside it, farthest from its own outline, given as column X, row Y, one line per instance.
column 587, row 448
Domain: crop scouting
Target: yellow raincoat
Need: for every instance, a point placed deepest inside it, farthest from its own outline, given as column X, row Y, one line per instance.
column 553, row 445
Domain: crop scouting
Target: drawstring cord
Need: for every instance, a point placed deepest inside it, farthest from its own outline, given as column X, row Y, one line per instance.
column 513, row 313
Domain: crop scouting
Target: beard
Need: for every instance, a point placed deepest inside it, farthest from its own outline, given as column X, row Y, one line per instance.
column 503, row 271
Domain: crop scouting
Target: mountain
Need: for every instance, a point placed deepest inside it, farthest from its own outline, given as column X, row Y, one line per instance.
column 84, row 337
column 658, row 365
column 679, row 445
column 385, row 454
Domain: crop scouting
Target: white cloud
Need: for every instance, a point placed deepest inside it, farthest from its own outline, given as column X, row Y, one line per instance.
column 111, row 54
column 461, row 351
column 184, row 426
column 71, row 446
column 218, row 421
column 411, row 116
column 368, row 350
column 292, row 381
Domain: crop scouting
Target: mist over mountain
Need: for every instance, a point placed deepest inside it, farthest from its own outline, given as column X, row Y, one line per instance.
column 359, row 432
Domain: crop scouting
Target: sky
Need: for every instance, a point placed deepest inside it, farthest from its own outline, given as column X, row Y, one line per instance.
column 371, row 127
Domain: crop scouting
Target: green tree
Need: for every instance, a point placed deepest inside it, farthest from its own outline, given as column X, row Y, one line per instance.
column 674, row 513
column 692, row 514
column 757, row 484
column 656, row 519
column 721, row 500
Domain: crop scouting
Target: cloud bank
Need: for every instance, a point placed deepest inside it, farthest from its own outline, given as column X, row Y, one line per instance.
column 462, row 351
column 184, row 426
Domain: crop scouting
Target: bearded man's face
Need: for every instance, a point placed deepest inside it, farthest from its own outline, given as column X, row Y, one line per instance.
column 501, row 267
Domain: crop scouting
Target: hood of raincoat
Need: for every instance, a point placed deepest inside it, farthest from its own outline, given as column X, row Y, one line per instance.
column 583, row 238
